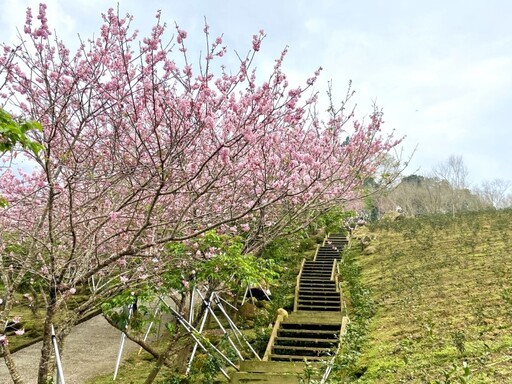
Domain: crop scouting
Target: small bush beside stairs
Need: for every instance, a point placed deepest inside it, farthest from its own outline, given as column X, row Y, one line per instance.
column 303, row 341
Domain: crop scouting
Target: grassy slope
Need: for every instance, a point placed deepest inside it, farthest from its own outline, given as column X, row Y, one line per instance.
column 443, row 291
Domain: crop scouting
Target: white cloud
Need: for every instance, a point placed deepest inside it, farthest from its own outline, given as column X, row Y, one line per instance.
column 441, row 70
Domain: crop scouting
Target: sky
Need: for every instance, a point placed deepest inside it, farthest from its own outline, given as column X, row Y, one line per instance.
column 440, row 69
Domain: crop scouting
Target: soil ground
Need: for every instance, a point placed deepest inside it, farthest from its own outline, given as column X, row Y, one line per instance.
column 90, row 350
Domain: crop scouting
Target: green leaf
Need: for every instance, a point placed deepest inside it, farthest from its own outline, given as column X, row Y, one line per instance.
column 13, row 133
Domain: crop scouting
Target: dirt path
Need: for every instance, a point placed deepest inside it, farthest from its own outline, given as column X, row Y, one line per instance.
column 90, row 349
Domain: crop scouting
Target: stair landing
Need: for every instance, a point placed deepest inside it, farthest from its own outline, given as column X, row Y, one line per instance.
column 273, row 372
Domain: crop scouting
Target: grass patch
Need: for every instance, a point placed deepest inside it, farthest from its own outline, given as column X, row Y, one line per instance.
column 31, row 320
column 134, row 370
column 443, row 301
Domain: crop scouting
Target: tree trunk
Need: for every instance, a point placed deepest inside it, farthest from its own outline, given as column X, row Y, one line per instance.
column 162, row 358
column 156, row 369
column 9, row 362
column 46, row 351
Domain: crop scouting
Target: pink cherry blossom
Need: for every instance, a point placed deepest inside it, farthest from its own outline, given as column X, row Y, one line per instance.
column 147, row 147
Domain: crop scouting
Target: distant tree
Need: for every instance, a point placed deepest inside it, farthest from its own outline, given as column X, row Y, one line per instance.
column 376, row 187
column 495, row 192
column 455, row 172
column 413, row 179
column 419, row 195
column 507, row 202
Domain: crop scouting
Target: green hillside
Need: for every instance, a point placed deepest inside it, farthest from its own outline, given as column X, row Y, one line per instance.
column 437, row 301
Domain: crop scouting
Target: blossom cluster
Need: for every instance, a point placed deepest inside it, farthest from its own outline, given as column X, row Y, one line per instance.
column 142, row 147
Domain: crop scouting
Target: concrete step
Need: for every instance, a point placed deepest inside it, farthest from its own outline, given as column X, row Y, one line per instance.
column 336, row 242
column 308, row 281
column 316, row 270
column 318, row 263
column 317, row 266
column 264, row 378
column 328, row 248
column 324, row 275
column 325, row 302
column 255, row 366
column 334, row 297
column 321, row 308
column 328, row 342
column 309, row 288
column 327, row 257
column 318, row 305
column 326, row 323
column 320, row 297
column 316, row 275
column 312, row 289
column 317, row 331
column 313, row 292
column 302, row 319
column 304, row 352
column 317, row 284
column 274, row 372
column 283, row 348
column 320, row 286
column 337, row 236
column 309, row 335
column 277, row 357
column 328, row 253
column 322, row 257
column 325, row 282
column 302, row 348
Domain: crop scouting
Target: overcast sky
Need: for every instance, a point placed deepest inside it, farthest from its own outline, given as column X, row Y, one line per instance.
column 441, row 70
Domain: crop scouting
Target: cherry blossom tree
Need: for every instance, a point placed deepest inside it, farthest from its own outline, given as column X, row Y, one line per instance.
column 142, row 146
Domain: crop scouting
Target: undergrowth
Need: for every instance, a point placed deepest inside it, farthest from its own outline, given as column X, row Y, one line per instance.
column 361, row 309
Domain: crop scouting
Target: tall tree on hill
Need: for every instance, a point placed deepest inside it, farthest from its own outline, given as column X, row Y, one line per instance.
column 495, row 192
column 141, row 148
column 455, row 172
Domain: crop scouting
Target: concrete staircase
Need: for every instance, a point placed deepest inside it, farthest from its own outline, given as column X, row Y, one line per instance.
column 312, row 331
column 317, row 289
